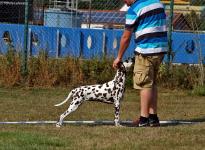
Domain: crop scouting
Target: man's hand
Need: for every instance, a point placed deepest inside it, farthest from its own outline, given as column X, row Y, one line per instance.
column 115, row 63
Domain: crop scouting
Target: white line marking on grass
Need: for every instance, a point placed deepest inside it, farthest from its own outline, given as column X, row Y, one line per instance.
column 98, row 122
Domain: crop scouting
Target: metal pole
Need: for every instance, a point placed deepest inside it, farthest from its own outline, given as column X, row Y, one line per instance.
column 24, row 55
column 89, row 21
column 170, row 32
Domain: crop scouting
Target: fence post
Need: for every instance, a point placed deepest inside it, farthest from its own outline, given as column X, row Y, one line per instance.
column 169, row 54
column 24, row 68
column 104, row 48
column 81, row 55
column 29, row 45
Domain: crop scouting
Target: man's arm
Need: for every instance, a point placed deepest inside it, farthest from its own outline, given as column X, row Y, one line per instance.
column 124, row 43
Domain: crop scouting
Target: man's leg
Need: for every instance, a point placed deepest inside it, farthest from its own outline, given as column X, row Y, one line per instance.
column 146, row 98
column 153, row 102
column 145, row 73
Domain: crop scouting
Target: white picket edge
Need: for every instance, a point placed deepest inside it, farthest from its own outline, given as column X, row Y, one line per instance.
column 100, row 122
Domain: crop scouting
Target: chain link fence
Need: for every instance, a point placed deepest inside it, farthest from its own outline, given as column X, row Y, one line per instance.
column 188, row 14
column 67, row 17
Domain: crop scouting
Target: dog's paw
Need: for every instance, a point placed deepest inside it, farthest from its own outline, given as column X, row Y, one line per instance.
column 58, row 125
column 118, row 125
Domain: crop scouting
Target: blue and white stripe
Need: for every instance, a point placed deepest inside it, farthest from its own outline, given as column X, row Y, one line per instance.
column 148, row 19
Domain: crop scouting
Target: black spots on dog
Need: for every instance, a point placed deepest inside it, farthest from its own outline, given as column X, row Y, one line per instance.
column 105, row 95
column 81, row 94
column 76, row 103
column 119, row 74
column 109, row 91
column 77, row 95
column 91, row 99
column 114, row 93
column 120, row 80
column 65, row 112
column 111, row 99
column 123, row 90
column 117, row 109
column 118, row 92
column 98, row 95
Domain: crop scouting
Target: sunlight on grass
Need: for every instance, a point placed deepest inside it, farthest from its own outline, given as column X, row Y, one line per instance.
column 38, row 104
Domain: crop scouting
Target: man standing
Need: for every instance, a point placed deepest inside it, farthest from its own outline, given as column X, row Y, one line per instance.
column 147, row 20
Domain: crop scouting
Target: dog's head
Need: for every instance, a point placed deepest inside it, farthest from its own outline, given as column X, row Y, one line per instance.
column 128, row 62
column 125, row 65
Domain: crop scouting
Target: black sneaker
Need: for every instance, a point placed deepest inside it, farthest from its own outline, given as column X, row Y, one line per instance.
column 153, row 120
column 141, row 122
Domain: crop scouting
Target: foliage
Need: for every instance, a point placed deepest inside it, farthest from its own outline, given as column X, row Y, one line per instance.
column 179, row 76
column 199, row 90
column 10, row 74
column 51, row 72
column 97, row 71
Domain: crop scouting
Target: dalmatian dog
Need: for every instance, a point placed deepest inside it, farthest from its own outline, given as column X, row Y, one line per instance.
column 111, row 92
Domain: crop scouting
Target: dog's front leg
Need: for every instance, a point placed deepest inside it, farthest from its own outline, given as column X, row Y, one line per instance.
column 117, row 113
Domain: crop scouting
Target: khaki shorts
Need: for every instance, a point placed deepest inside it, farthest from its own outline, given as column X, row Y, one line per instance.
column 145, row 70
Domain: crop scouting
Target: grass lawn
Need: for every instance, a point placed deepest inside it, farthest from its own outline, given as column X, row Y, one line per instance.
column 27, row 104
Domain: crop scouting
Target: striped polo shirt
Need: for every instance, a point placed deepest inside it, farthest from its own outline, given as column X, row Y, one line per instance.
column 148, row 19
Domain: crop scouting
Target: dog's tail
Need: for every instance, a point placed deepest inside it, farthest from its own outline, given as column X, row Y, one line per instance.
column 69, row 95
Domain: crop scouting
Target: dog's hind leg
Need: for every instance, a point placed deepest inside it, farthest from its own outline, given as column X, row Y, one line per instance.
column 73, row 106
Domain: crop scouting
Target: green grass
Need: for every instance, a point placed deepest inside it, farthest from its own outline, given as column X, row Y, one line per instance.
column 37, row 104
column 28, row 140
